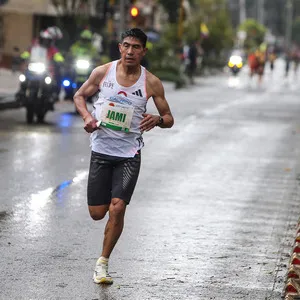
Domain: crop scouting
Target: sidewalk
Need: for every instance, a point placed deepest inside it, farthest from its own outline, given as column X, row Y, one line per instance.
column 9, row 84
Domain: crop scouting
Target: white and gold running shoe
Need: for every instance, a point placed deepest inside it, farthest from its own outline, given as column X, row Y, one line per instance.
column 101, row 274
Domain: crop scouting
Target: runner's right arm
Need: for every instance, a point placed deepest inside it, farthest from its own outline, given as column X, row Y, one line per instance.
column 89, row 88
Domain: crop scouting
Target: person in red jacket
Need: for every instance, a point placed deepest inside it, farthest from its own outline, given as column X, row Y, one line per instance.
column 253, row 63
column 256, row 61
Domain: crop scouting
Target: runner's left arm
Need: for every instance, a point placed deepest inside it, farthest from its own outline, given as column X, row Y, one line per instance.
column 157, row 92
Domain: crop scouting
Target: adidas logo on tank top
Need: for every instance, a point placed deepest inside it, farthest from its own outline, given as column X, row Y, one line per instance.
column 138, row 93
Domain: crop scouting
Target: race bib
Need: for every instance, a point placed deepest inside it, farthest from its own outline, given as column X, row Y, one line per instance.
column 116, row 116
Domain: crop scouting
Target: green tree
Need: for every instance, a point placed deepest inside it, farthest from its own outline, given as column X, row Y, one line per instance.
column 215, row 15
column 221, row 34
column 172, row 9
column 165, row 56
column 255, row 33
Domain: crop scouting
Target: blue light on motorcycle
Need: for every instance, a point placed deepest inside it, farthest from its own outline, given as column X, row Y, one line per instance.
column 74, row 85
column 66, row 82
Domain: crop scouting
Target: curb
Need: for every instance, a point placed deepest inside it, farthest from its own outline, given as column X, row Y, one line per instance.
column 8, row 101
column 292, row 286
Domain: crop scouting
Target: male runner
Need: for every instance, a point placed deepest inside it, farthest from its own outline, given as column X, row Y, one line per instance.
column 117, row 124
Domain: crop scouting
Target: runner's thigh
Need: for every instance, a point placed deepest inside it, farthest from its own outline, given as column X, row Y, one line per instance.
column 100, row 180
column 125, row 176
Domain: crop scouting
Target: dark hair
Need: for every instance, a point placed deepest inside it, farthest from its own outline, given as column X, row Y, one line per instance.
column 136, row 33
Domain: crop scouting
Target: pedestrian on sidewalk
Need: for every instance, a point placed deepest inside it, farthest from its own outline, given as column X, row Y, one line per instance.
column 271, row 58
column 116, row 126
column 192, row 61
column 288, row 60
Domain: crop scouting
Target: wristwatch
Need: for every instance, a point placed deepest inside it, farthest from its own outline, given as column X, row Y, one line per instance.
column 160, row 121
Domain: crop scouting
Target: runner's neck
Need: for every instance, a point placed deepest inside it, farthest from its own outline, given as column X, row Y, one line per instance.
column 134, row 70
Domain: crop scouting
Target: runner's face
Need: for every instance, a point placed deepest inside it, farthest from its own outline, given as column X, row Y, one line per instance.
column 132, row 51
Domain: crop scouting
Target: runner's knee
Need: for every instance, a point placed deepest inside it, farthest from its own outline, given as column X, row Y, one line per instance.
column 98, row 212
column 117, row 208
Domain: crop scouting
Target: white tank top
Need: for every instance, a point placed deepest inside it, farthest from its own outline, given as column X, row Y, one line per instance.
column 119, row 107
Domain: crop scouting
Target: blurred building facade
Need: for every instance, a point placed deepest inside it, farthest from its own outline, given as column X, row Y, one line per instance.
column 17, row 20
column 21, row 20
column 271, row 13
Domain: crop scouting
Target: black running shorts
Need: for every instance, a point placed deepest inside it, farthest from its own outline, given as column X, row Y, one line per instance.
column 112, row 177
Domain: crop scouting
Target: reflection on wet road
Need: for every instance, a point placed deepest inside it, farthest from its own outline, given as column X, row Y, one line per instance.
column 213, row 215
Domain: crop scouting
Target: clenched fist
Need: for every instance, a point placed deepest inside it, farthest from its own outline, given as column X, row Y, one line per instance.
column 90, row 124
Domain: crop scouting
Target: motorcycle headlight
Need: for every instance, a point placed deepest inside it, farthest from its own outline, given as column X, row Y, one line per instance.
column 48, row 80
column 37, row 67
column 82, row 64
column 22, row 77
column 235, row 60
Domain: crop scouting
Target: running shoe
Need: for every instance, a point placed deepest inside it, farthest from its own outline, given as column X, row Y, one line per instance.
column 101, row 274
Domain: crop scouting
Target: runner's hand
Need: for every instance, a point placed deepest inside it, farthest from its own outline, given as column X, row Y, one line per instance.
column 90, row 124
column 149, row 122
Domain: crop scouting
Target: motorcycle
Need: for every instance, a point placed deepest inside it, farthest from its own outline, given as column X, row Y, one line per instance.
column 80, row 72
column 38, row 91
column 235, row 64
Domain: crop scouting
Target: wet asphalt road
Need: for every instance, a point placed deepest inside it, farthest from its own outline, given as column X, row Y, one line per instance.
column 213, row 216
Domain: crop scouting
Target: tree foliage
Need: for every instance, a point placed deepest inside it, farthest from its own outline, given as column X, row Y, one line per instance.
column 221, row 34
column 214, row 14
column 172, row 9
column 255, row 33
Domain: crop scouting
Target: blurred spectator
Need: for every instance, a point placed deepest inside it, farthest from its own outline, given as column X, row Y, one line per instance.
column 192, row 56
column 145, row 61
column 271, row 58
column 113, row 48
column 256, row 61
column 16, row 60
column 288, row 59
column 296, row 59
column 97, row 41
